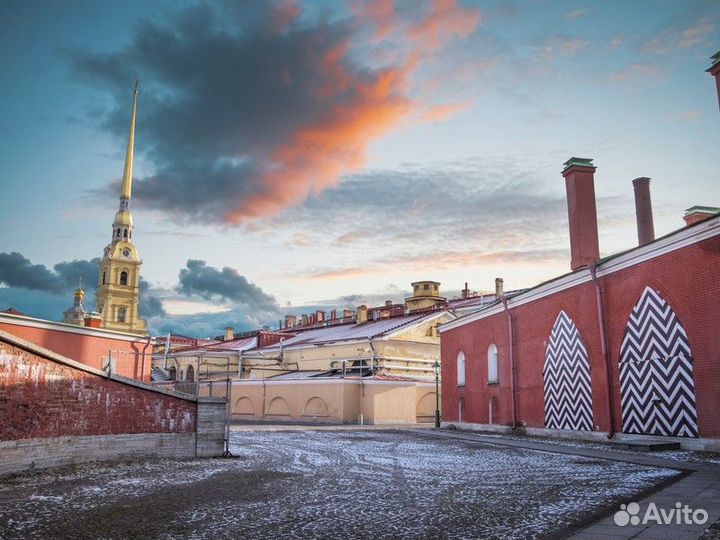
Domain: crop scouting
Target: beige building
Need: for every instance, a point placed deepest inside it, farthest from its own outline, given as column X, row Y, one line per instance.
column 372, row 365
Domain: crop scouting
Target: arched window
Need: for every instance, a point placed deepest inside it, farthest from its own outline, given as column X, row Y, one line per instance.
column 492, row 364
column 190, row 374
column 103, row 281
column 123, row 278
column 118, row 233
column 461, row 369
column 125, row 233
column 121, row 314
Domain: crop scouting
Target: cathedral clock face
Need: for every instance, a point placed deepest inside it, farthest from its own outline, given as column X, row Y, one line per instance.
column 126, row 252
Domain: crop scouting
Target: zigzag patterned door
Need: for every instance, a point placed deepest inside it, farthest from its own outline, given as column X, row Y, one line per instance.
column 657, row 391
column 566, row 378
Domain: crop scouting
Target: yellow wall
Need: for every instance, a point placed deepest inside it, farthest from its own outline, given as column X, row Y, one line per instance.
column 335, row 401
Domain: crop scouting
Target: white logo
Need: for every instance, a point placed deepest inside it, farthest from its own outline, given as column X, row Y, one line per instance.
column 679, row 515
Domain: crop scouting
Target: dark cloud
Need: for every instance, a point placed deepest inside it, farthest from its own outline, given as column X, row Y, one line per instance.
column 71, row 272
column 245, row 109
column 210, row 283
column 18, row 271
column 150, row 304
column 40, row 292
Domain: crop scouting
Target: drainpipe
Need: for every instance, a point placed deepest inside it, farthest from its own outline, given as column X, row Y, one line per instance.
column 511, row 338
column 373, row 358
column 603, row 346
column 142, row 365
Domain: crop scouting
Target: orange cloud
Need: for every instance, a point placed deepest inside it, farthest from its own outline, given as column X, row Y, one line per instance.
column 444, row 20
column 314, row 156
column 379, row 13
column 441, row 113
column 444, row 261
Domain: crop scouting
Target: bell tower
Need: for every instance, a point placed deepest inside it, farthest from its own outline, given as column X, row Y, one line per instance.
column 118, row 290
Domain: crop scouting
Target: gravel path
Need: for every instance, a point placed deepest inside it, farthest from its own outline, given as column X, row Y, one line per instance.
column 323, row 484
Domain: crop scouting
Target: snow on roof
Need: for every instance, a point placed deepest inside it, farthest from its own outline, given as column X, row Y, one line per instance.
column 299, row 375
column 214, row 345
column 233, row 345
column 370, row 329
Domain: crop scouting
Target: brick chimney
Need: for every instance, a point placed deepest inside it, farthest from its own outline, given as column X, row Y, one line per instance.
column 229, row 333
column 290, row 321
column 579, row 176
column 499, row 286
column 695, row 214
column 362, row 314
column 714, row 70
column 643, row 211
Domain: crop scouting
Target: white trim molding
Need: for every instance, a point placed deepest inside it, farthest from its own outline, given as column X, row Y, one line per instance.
column 31, row 322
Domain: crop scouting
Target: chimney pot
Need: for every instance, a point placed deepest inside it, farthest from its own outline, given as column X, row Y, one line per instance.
column 579, row 176
column 643, row 211
column 499, row 286
column 362, row 314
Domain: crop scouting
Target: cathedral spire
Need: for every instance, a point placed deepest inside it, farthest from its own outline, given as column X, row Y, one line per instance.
column 118, row 290
column 128, row 171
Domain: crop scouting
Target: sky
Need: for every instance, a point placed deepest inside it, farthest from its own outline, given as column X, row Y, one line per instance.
column 299, row 155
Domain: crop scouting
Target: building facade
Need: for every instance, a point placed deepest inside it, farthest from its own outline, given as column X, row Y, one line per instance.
column 623, row 346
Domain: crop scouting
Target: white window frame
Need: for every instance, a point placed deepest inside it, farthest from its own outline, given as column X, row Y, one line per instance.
column 493, row 364
column 461, row 371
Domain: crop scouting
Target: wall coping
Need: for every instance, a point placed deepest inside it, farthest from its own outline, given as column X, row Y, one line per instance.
column 32, row 322
column 6, row 337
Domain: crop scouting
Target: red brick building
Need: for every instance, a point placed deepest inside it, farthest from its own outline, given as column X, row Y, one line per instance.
column 626, row 344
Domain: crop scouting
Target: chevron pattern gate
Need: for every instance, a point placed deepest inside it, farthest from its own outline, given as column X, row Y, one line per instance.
column 566, row 378
column 657, row 391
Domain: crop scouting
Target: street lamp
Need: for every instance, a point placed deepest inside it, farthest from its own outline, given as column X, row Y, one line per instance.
column 436, row 368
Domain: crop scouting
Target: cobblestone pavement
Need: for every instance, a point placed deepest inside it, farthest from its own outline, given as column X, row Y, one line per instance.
column 324, row 484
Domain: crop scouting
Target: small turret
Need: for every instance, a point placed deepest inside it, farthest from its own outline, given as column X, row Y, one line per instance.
column 76, row 314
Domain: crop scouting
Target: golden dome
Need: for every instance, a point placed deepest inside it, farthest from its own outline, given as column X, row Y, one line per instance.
column 123, row 217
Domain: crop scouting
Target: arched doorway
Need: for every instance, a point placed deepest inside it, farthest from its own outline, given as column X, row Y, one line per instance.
column 425, row 411
column 566, row 378
column 657, row 389
column 190, row 374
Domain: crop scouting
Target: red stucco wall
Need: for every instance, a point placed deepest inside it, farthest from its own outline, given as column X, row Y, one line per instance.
column 42, row 398
column 88, row 349
column 688, row 279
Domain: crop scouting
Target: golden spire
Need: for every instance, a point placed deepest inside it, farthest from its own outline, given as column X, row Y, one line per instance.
column 127, row 173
